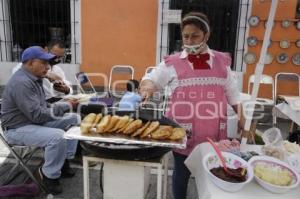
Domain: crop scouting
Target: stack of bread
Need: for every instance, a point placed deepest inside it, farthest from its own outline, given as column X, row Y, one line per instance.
column 97, row 123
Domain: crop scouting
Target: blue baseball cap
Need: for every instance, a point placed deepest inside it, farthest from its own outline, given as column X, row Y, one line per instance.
column 36, row 52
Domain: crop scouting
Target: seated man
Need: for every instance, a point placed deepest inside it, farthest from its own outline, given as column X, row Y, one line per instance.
column 55, row 83
column 28, row 120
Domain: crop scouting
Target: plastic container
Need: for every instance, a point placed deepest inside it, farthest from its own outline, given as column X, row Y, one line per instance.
column 276, row 164
column 232, row 161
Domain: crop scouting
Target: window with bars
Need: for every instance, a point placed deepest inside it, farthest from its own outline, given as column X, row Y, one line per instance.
column 298, row 10
column 36, row 22
column 223, row 16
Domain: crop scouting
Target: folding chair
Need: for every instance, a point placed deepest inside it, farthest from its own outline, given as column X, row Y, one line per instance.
column 22, row 159
column 286, row 78
column 149, row 69
column 119, row 70
column 82, row 79
column 264, row 102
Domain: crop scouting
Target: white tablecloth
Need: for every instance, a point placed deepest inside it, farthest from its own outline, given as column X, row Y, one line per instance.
column 207, row 190
column 284, row 110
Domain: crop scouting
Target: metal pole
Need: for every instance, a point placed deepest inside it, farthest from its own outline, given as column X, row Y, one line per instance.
column 260, row 65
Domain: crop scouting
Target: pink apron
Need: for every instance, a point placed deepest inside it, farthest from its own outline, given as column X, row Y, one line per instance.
column 199, row 103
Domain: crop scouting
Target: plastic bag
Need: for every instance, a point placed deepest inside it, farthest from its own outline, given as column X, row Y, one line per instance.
column 272, row 137
column 273, row 151
column 273, row 143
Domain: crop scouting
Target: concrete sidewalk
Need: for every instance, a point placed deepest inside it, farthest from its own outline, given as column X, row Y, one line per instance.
column 73, row 188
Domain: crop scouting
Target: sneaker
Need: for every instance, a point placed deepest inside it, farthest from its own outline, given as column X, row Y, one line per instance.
column 52, row 185
column 67, row 171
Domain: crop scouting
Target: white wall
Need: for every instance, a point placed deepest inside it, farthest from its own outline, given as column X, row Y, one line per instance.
column 6, row 68
column 5, row 71
column 70, row 71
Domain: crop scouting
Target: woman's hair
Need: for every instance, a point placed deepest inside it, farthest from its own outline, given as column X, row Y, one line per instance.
column 198, row 19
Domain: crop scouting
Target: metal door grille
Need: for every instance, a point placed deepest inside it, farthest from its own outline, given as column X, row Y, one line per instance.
column 223, row 16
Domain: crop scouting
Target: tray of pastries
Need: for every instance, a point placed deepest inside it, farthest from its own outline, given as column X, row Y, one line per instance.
column 129, row 128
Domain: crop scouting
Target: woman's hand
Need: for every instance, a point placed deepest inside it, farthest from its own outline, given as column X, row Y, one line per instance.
column 241, row 119
column 147, row 88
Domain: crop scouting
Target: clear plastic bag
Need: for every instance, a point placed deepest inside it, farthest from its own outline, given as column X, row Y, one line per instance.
column 273, row 151
column 273, row 143
column 273, row 137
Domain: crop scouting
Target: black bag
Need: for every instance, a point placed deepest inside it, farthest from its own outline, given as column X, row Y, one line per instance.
column 294, row 137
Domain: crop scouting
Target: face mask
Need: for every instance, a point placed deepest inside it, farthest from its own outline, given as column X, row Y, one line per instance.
column 194, row 48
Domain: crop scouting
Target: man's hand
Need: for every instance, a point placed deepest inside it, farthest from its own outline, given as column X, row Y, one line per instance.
column 53, row 77
column 60, row 86
column 73, row 102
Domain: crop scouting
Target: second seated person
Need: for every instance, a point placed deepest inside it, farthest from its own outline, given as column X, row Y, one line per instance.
column 28, row 119
column 55, row 83
column 202, row 85
column 131, row 99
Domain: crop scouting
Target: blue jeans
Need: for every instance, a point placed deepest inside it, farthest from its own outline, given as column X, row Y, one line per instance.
column 181, row 175
column 48, row 136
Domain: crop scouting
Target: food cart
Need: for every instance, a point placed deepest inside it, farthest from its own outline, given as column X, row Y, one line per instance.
column 127, row 160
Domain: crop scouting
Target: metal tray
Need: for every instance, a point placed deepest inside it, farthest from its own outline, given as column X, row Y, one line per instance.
column 75, row 133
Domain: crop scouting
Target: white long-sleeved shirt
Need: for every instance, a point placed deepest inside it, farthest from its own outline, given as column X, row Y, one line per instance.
column 163, row 76
column 47, row 85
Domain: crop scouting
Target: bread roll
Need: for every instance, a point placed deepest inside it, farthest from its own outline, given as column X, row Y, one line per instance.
column 141, row 130
column 121, row 123
column 152, row 127
column 113, row 121
column 125, row 126
column 133, row 126
column 103, row 123
column 162, row 133
column 97, row 119
column 87, row 123
column 177, row 134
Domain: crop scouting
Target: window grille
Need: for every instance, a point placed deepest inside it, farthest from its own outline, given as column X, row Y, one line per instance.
column 36, row 22
column 223, row 16
column 298, row 10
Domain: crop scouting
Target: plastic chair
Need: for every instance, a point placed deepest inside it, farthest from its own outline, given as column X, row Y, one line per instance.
column 22, row 158
column 263, row 102
column 81, row 79
column 119, row 70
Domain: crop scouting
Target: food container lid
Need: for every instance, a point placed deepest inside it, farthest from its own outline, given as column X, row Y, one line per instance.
column 285, row 23
column 282, row 58
column 298, row 25
column 296, row 59
column 284, row 43
column 252, row 41
column 253, row 20
column 250, row 58
column 298, row 43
